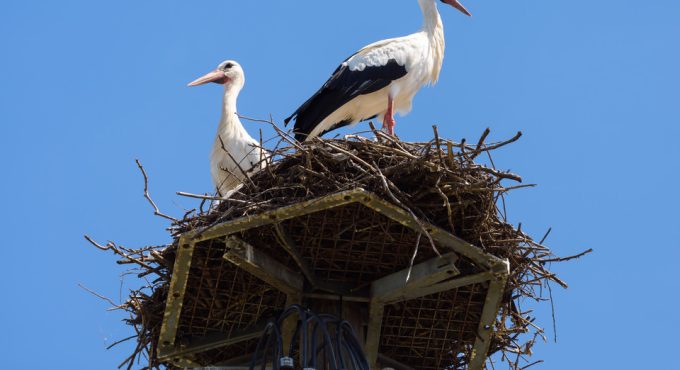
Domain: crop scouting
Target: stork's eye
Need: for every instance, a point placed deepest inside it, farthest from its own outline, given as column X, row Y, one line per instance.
column 227, row 66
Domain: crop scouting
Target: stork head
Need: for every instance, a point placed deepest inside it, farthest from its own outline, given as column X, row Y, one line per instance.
column 456, row 4
column 228, row 73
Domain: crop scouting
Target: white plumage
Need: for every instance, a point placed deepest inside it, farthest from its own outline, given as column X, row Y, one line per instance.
column 378, row 80
column 411, row 52
column 235, row 154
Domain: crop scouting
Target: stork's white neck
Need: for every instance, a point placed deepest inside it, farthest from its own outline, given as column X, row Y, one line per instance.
column 432, row 21
column 229, row 122
column 231, row 92
column 434, row 28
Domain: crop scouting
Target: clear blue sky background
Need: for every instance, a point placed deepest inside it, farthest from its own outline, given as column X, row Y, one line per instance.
column 88, row 86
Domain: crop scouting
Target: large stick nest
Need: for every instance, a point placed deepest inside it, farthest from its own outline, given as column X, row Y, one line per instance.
column 440, row 182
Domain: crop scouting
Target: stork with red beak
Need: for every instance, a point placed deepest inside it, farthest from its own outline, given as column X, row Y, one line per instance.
column 235, row 154
column 378, row 80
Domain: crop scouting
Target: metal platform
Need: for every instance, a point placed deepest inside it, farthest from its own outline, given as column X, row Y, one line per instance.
column 350, row 246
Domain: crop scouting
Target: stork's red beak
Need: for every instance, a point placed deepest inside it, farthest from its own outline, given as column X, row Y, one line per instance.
column 456, row 4
column 216, row 76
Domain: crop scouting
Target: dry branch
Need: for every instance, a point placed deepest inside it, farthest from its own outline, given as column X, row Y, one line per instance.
column 156, row 212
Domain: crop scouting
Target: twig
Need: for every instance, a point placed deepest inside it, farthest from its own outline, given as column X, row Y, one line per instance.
column 480, row 143
column 284, row 135
column 449, row 211
column 375, row 131
column 122, row 340
column 97, row 245
column 197, row 196
column 552, row 308
column 438, row 144
column 156, row 212
column 261, row 148
column 99, row 296
column 502, row 143
column 449, row 154
column 564, row 259
column 237, row 163
column 289, row 246
column 510, row 188
column 500, row 175
column 532, row 364
column 413, row 258
column 547, row 233
column 117, row 250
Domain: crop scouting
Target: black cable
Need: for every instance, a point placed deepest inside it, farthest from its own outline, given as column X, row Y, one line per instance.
column 341, row 351
column 261, row 345
column 327, row 336
column 302, row 314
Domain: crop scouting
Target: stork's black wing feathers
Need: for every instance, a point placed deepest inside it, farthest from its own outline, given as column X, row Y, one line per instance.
column 343, row 86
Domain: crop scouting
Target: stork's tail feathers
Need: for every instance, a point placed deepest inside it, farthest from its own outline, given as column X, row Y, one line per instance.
column 287, row 120
column 300, row 135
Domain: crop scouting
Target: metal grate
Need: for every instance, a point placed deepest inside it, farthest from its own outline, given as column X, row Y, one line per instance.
column 345, row 247
column 223, row 299
column 351, row 245
column 434, row 332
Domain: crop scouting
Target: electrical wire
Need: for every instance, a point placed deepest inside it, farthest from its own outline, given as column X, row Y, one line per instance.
column 323, row 342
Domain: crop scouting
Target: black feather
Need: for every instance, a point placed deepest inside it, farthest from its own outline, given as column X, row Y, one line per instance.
column 343, row 86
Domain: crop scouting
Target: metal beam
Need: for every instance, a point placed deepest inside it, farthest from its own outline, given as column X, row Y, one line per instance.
column 340, row 199
column 289, row 246
column 401, row 283
column 492, row 304
column 175, row 300
column 217, row 340
column 411, row 280
column 376, row 311
column 277, row 215
column 262, row 266
column 420, row 292
column 335, row 297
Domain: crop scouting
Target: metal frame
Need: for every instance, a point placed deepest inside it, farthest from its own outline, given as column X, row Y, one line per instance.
column 429, row 277
column 262, row 266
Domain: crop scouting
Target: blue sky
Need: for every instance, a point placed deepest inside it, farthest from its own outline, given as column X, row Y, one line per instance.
column 86, row 87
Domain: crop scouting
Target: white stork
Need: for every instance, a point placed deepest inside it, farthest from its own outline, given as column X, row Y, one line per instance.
column 235, row 154
column 377, row 80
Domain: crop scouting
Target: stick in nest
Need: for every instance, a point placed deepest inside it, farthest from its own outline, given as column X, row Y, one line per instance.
column 156, row 211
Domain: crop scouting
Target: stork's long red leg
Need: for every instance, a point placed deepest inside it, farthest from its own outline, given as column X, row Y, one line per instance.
column 388, row 120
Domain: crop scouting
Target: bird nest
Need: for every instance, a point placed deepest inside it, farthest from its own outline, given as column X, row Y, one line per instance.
column 438, row 184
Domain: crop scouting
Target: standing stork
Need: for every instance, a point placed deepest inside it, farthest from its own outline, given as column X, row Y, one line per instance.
column 377, row 80
column 235, row 154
